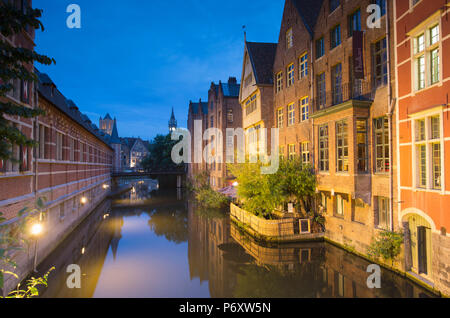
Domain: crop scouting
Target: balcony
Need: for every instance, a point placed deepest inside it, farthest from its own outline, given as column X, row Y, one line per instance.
column 360, row 91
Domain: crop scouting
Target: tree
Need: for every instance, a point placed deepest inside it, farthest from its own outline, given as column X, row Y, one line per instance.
column 387, row 245
column 16, row 64
column 259, row 193
column 297, row 182
column 160, row 157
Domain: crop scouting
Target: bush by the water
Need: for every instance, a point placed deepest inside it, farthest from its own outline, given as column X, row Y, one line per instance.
column 205, row 195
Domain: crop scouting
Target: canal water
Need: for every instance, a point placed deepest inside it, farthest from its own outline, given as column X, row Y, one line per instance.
column 148, row 243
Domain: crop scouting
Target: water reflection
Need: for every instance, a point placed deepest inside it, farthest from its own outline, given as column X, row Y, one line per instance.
column 159, row 244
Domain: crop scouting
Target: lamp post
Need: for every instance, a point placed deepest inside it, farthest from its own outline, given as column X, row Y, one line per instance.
column 36, row 230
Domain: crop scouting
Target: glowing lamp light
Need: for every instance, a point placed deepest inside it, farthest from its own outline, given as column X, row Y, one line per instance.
column 36, row 229
column 83, row 250
column 235, row 184
column 83, row 200
column 105, row 186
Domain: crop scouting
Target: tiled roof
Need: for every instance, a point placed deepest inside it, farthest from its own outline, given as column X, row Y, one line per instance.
column 309, row 12
column 230, row 90
column 48, row 90
column 195, row 107
column 262, row 57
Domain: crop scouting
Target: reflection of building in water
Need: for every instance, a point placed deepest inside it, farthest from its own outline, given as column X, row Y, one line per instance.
column 86, row 247
column 206, row 260
column 117, row 226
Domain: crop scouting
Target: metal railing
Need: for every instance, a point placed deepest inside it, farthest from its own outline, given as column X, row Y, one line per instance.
column 357, row 90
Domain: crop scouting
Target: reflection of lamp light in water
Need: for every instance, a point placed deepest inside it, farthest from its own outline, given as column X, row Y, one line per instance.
column 83, row 250
column 83, row 200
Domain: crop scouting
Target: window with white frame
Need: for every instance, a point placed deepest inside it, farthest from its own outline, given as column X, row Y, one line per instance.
column 428, row 152
column 303, row 65
column 304, row 108
column 382, row 214
column 290, row 75
column 279, row 82
column 304, row 150
column 291, row 152
column 427, row 61
column 291, row 114
column 280, row 117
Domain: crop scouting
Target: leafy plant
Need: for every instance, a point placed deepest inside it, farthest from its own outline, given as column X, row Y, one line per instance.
column 261, row 194
column 160, row 157
column 386, row 245
column 31, row 287
column 205, row 195
column 16, row 64
column 13, row 238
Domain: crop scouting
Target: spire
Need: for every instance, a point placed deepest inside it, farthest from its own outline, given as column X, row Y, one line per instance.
column 172, row 122
column 115, row 135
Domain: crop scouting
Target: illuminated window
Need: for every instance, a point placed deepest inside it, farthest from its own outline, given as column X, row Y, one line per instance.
column 303, row 64
column 290, row 75
column 342, row 146
column 427, row 63
column 304, row 150
column 280, row 118
column 279, row 82
column 428, row 152
column 291, row 114
column 323, row 148
column 291, row 152
column 304, row 108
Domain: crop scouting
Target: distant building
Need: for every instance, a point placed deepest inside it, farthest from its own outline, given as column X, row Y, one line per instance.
column 106, row 124
column 222, row 111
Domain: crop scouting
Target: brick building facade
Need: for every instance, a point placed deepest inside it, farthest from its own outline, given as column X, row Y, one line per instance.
column 222, row 111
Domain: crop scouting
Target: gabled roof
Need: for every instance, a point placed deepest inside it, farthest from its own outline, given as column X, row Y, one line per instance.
column 309, row 11
column 262, row 57
column 47, row 89
column 195, row 108
column 115, row 135
column 230, row 89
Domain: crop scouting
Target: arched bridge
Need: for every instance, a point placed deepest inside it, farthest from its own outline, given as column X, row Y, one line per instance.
column 166, row 178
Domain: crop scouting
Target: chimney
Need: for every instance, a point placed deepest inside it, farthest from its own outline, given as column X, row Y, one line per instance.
column 232, row 80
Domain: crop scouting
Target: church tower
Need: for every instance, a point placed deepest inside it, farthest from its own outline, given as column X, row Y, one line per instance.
column 172, row 122
column 106, row 124
column 116, row 145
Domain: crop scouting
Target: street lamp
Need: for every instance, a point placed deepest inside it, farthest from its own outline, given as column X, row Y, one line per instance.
column 105, row 186
column 83, row 200
column 36, row 231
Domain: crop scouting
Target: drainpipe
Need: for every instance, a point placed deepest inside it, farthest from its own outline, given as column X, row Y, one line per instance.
column 391, row 102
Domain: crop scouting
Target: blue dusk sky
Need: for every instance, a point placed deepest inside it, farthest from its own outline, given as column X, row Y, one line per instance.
column 137, row 59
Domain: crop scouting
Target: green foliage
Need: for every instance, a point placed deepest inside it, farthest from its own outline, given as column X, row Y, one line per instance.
column 13, row 66
column 261, row 194
column 386, row 245
column 160, row 157
column 206, row 197
column 13, row 238
column 31, row 287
